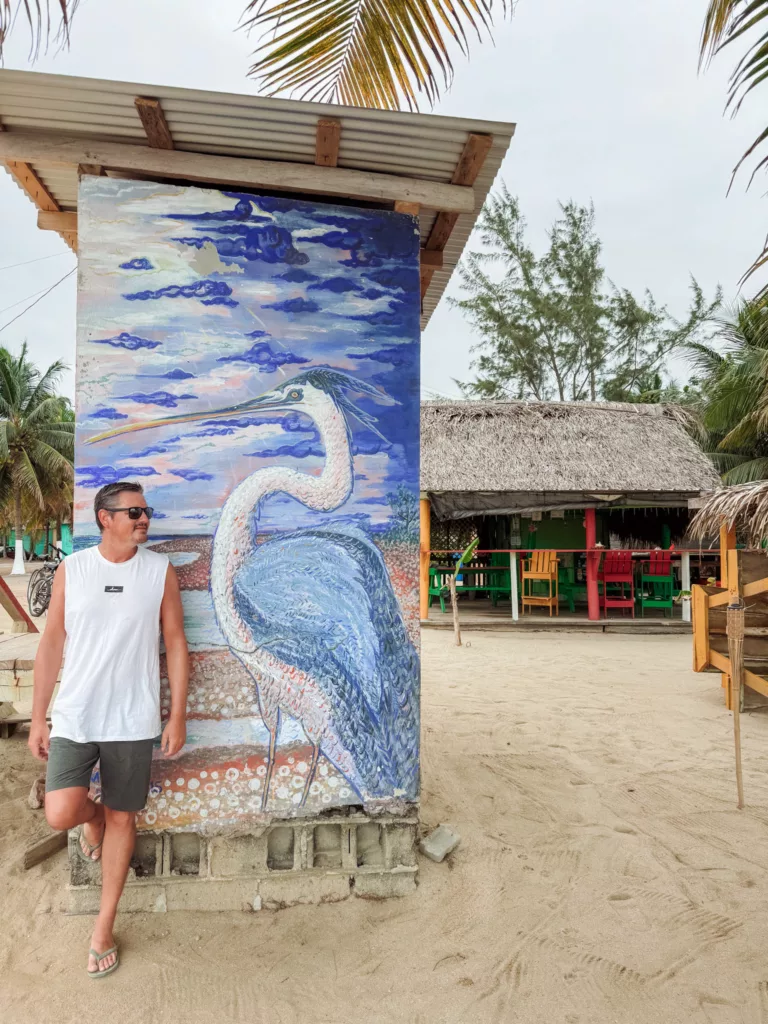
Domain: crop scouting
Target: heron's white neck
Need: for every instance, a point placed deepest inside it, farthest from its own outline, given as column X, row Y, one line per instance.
column 324, row 492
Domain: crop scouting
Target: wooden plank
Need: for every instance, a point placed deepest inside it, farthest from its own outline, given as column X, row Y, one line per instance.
column 29, row 182
column 11, row 606
column 733, row 573
column 412, row 209
column 44, row 848
column 700, row 608
column 756, row 682
column 24, row 175
column 476, row 149
column 156, row 128
column 719, row 599
column 62, row 221
column 425, row 550
column 327, row 139
column 720, row 662
column 242, row 171
column 756, row 587
column 95, row 169
column 727, row 543
column 471, row 161
column 433, row 260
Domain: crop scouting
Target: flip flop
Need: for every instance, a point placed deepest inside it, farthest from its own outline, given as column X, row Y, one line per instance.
column 100, row 956
column 88, row 857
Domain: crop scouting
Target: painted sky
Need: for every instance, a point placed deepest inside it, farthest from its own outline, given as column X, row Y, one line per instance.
column 193, row 299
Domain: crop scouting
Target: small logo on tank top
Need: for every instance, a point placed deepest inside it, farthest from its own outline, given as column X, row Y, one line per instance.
column 113, row 590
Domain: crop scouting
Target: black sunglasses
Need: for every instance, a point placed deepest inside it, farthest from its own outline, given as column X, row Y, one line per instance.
column 135, row 511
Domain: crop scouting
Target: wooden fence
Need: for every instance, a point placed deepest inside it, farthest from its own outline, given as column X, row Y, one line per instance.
column 745, row 577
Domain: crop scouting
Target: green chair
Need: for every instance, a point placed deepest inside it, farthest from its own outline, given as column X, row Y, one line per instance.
column 657, row 583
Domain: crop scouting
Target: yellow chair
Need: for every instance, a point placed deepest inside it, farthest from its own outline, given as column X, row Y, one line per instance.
column 541, row 567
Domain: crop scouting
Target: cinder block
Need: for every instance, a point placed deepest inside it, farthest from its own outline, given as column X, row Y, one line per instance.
column 384, row 885
column 327, row 847
column 185, row 853
column 211, row 894
column 280, row 848
column 238, row 855
column 287, row 890
column 438, row 844
column 399, row 845
column 370, row 846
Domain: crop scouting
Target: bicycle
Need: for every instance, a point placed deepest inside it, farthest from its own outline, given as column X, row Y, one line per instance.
column 41, row 582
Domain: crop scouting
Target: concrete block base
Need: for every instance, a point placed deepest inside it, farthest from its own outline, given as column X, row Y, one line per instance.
column 315, row 860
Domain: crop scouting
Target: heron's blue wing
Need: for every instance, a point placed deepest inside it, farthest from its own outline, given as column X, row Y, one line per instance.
column 309, row 602
column 320, row 599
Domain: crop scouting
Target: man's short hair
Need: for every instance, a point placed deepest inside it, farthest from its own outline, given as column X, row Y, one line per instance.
column 106, row 497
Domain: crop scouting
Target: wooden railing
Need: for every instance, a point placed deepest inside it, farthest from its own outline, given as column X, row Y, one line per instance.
column 681, row 557
column 745, row 577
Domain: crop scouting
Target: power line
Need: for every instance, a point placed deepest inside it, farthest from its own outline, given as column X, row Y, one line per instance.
column 69, row 274
column 12, row 266
column 18, row 302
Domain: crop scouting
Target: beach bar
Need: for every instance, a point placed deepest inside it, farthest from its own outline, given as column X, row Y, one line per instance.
column 606, row 489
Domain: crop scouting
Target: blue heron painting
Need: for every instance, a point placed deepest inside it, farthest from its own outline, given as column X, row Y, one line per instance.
column 302, row 568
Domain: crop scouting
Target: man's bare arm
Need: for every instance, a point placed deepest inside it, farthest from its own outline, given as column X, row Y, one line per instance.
column 172, row 621
column 50, row 652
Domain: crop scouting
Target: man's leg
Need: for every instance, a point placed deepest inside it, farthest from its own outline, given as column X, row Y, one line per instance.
column 68, row 808
column 125, row 773
column 67, row 805
column 119, row 840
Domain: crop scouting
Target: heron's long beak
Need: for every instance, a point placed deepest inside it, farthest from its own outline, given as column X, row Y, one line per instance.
column 268, row 400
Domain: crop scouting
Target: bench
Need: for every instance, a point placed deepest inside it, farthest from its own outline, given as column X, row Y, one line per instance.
column 485, row 581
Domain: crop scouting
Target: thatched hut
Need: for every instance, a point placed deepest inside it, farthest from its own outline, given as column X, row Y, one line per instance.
column 562, row 475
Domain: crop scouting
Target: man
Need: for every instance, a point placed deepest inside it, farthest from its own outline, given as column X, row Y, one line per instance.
column 109, row 602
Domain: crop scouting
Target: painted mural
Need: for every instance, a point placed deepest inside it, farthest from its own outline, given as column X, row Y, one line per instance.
column 253, row 361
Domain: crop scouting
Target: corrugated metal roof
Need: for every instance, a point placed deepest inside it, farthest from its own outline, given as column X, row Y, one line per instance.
column 424, row 146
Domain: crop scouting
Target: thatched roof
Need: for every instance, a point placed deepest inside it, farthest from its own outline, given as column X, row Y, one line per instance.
column 561, row 450
column 744, row 506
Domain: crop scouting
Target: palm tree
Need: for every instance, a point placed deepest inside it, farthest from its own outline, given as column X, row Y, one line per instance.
column 368, row 53
column 36, row 442
column 741, row 22
column 732, row 379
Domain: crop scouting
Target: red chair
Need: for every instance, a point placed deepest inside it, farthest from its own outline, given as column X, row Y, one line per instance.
column 618, row 575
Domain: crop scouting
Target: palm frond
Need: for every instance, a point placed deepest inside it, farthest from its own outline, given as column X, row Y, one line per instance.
column 727, row 21
column 26, row 479
column 373, row 53
column 747, row 472
column 40, row 16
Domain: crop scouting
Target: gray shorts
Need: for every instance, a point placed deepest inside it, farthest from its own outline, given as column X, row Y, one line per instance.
column 125, row 768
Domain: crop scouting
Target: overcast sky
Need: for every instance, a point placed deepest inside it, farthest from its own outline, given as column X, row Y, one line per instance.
column 609, row 107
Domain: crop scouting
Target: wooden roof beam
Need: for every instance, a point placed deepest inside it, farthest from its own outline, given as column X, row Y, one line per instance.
column 153, row 120
column 471, row 161
column 327, row 139
column 63, row 221
column 28, row 181
column 238, row 171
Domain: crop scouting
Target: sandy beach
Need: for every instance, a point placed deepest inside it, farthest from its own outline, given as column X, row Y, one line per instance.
column 604, row 875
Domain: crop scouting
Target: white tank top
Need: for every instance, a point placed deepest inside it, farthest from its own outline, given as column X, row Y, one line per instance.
column 110, row 686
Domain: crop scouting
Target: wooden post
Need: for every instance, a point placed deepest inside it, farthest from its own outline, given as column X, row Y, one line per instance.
column 685, row 581
column 513, row 584
column 425, row 547
column 593, row 560
column 727, row 543
column 455, row 610
column 735, row 630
